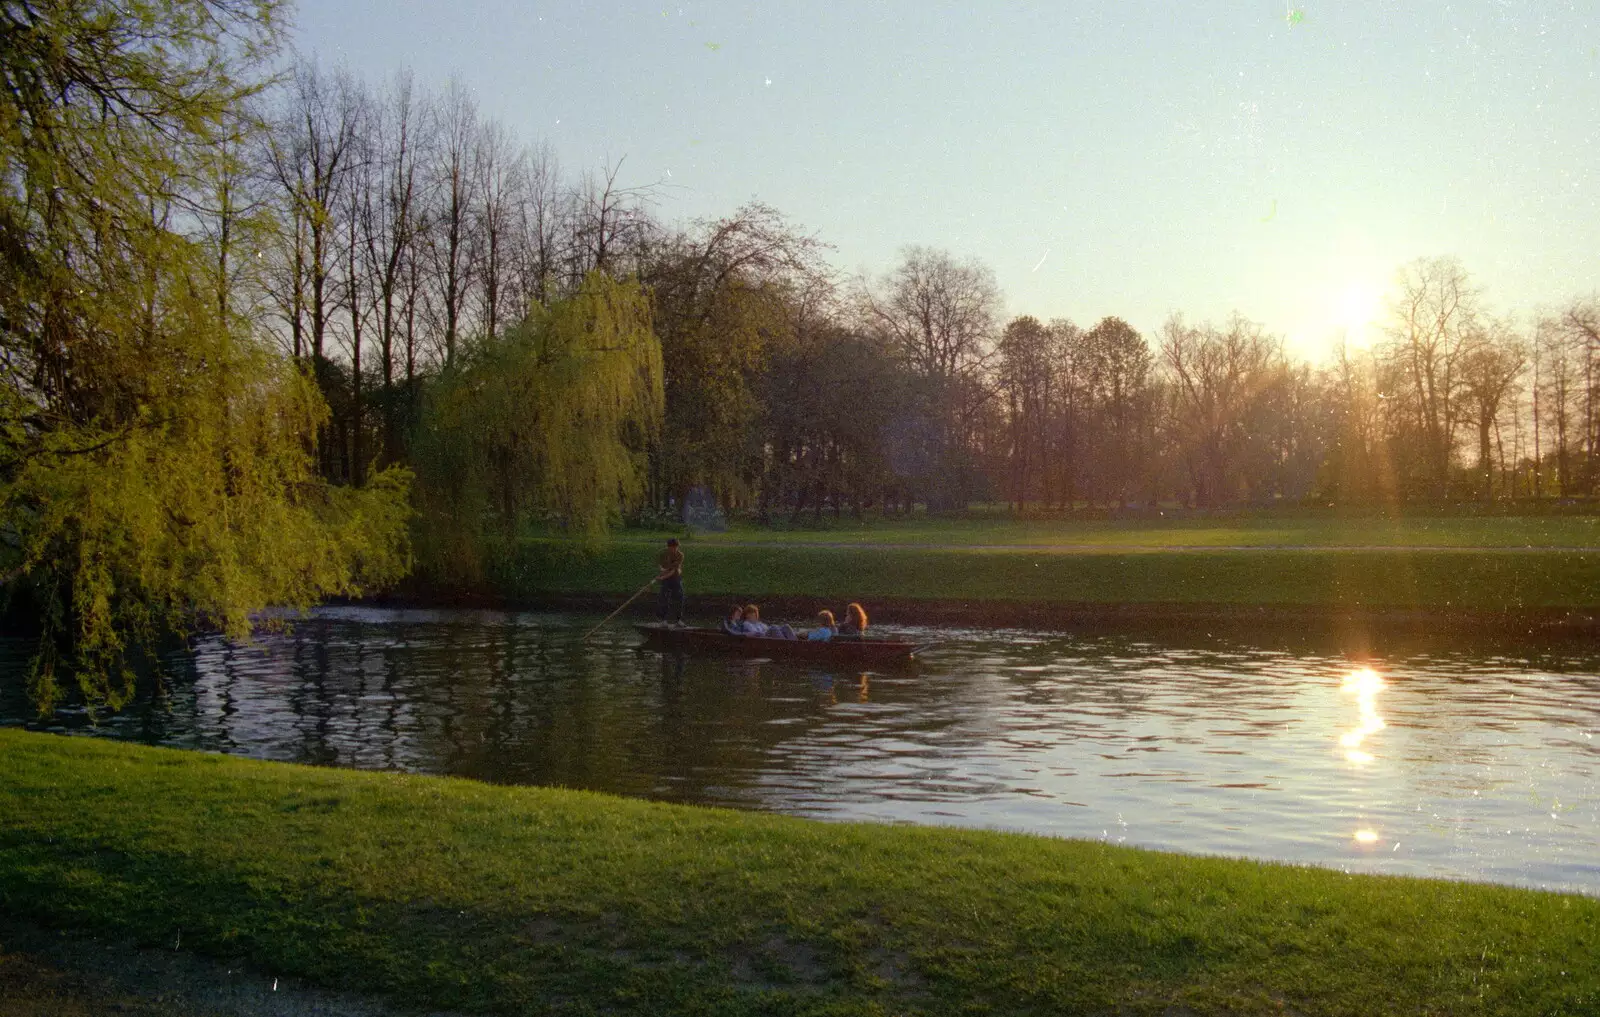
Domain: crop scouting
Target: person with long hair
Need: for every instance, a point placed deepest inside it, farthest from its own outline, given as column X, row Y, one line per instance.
column 855, row 621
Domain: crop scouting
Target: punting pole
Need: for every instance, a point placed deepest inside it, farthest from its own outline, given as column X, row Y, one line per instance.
column 618, row 611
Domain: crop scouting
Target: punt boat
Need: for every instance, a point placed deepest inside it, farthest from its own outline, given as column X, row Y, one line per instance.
column 845, row 651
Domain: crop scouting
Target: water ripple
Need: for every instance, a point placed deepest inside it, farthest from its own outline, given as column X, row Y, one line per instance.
column 1427, row 761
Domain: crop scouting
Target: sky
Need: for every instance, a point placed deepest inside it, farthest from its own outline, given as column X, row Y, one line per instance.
column 1127, row 158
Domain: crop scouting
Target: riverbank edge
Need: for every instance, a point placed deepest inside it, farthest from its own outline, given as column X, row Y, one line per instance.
column 1038, row 615
column 1508, row 591
column 456, row 894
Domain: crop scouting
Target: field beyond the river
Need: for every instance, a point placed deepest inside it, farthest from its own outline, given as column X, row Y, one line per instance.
column 1479, row 564
column 1266, row 528
column 449, row 893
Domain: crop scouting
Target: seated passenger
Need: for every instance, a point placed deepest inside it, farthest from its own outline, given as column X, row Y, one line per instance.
column 752, row 624
column 825, row 631
column 855, row 621
column 733, row 625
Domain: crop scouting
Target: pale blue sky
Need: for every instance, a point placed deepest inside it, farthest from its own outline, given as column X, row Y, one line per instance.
column 1129, row 158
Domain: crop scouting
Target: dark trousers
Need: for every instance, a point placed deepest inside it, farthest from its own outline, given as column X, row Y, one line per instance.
column 669, row 601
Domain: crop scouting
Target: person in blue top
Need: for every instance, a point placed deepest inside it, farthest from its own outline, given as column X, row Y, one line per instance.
column 752, row 624
column 824, row 632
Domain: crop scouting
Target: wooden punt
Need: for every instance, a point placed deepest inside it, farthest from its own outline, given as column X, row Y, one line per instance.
column 844, row 651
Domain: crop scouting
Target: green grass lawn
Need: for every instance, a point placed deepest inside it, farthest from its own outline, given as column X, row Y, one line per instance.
column 1441, row 578
column 450, row 893
column 1189, row 531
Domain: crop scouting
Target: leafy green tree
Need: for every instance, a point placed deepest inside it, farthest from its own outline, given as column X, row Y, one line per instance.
column 155, row 470
column 727, row 295
column 546, row 423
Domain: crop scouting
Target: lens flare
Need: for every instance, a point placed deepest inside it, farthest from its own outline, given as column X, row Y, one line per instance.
column 1366, row 836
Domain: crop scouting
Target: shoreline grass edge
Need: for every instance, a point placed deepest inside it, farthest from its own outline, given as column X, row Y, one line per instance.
column 1524, row 590
column 1489, row 579
column 451, row 893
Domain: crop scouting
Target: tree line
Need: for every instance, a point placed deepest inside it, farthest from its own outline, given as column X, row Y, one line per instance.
column 409, row 228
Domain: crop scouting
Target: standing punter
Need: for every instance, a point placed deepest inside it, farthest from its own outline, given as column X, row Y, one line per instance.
column 671, row 580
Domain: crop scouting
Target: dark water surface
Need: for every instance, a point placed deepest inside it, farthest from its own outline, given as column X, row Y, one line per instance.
column 1466, row 764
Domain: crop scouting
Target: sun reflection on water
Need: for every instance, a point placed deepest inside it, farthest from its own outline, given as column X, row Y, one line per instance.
column 1366, row 685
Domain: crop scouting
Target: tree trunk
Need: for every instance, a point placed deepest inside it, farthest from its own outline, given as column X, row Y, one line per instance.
column 1485, row 462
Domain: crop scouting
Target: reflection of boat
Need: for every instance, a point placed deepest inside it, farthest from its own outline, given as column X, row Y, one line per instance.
column 869, row 652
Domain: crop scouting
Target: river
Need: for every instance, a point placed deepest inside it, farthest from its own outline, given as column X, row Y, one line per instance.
column 1474, row 764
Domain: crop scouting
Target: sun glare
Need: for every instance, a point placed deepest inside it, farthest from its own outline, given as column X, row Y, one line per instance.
column 1358, row 310
column 1365, row 684
column 1366, row 836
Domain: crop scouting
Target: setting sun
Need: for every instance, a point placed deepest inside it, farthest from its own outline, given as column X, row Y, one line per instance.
column 1358, row 311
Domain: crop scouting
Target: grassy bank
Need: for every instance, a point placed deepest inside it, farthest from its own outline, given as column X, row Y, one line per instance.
column 463, row 895
column 1440, row 578
column 1296, row 528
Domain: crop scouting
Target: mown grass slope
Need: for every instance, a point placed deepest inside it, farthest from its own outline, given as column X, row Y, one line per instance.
column 457, row 894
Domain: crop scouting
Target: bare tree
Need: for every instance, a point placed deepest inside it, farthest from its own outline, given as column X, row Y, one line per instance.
column 360, row 199
column 1025, row 371
column 939, row 312
column 401, row 137
column 941, row 316
column 1490, row 367
column 1579, row 324
column 454, row 237
column 609, row 223
column 544, row 222
column 1356, row 461
column 1117, row 366
column 233, row 216
column 1066, row 400
column 311, row 147
column 501, row 181
column 1433, row 319
column 1218, row 378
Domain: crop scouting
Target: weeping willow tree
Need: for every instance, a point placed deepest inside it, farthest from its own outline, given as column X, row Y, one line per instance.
column 155, row 452
column 542, row 426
